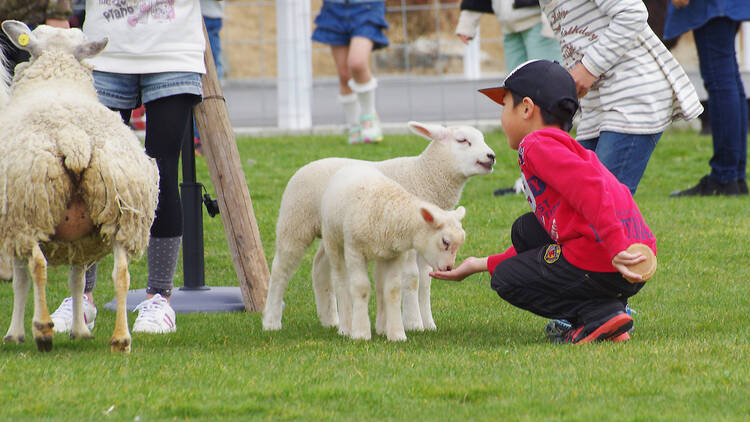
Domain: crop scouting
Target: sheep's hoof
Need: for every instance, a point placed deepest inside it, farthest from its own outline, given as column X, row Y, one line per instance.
column 271, row 325
column 396, row 337
column 14, row 339
column 81, row 336
column 44, row 343
column 413, row 325
column 430, row 326
column 121, row 345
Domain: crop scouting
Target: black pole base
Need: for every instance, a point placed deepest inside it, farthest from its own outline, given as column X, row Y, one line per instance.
column 206, row 299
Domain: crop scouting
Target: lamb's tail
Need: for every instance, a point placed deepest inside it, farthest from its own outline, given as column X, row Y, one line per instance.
column 4, row 79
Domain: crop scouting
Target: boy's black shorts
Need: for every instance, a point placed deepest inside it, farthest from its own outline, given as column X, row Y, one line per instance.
column 540, row 279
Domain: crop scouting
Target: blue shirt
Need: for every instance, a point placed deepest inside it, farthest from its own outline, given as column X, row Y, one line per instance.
column 698, row 12
column 354, row 1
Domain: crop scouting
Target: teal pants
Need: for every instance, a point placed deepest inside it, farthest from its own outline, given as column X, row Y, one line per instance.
column 527, row 45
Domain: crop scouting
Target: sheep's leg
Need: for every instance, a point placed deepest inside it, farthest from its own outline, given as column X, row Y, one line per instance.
column 381, row 317
column 425, row 282
column 325, row 292
column 341, row 285
column 120, row 341
column 76, row 283
column 410, row 296
column 42, row 323
column 285, row 262
column 359, row 290
column 391, row 286
column 21, row 285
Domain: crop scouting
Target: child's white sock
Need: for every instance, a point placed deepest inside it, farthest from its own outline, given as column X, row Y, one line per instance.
column 351, row 109
column 366, row 95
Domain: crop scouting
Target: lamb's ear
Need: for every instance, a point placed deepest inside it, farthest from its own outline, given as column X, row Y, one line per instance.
column 428, row 215
column 428, row 131
column 90, row 49
column 20, row 35
column 460, row 213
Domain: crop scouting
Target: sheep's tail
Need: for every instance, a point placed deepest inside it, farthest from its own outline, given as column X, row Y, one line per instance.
column 75, row 146
column 4, row 79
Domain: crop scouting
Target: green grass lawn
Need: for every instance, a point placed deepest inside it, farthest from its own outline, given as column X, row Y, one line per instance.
column 689, row 359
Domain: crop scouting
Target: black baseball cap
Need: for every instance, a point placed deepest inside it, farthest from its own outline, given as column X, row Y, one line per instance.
column 547, row 83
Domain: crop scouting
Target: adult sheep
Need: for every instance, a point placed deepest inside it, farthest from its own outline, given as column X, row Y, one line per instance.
column 380, row 221
column 75, row 182
column 438, row 175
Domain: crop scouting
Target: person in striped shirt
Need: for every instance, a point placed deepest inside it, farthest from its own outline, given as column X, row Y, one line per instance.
column 630, row 86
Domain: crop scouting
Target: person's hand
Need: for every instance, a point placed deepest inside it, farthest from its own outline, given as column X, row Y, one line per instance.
column 680, row 3
column 59, row 23
column 465, row 39
column 583, row 79
column 622, row 260
column 471, row 265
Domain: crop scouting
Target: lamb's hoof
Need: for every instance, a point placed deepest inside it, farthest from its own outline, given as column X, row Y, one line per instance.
column 82, row 335
column 44, row 343
column 329, row 320
column 413, row 325
column 14, row 339
column 397, row 337
column 269, row 325
column 362, row 335
column 120, row 345
column 430, row 325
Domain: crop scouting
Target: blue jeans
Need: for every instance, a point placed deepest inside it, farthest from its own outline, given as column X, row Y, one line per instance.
column 213, row 27
column 625, row 155
column 127, row 91
column 727, row 104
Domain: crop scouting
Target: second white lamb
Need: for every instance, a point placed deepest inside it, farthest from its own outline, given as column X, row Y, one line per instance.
column 365, row 217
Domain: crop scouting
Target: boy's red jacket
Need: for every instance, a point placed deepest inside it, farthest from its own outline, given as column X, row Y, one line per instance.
column 579, row 202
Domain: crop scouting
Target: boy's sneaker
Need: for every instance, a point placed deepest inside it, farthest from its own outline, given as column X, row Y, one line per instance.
column 355, row 135
column 556, row 329
column 608, row 328
column 371, row 131
column 62, row 318
column 155, row 316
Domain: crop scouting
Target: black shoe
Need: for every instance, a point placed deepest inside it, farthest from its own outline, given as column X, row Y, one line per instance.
column 504, row 191
column 606, row 328
column 742, row 184
column 709, row 187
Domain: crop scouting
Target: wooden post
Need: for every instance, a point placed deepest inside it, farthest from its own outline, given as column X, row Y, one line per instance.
column 235, row 205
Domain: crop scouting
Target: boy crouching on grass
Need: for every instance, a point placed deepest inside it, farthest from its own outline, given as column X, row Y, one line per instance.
column 568, row 259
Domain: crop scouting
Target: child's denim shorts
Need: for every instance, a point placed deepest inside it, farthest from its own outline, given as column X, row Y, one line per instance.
column 124, row 91
column 337, row 23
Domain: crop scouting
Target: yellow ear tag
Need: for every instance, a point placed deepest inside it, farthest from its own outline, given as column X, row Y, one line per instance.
column 23, row 40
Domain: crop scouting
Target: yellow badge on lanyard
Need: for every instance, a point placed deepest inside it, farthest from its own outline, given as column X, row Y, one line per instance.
column 23, row 40
column 552, row 254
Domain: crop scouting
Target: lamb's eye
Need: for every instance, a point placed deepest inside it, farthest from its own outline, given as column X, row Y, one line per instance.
column 446, row 244
column 463, row 141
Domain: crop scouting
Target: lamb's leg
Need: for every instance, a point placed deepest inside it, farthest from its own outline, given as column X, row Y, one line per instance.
column 325, row 292
column 359, row 290
column 120, row 341
column 42, row 323
column 285, row 262
column 76, row 283
column 21, row 285
column 410, row 295
column 425, row 282
column 341, row 285
column 381, row 317
column 391, row 283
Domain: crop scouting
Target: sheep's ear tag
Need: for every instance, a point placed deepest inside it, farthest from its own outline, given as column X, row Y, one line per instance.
column 23, row 40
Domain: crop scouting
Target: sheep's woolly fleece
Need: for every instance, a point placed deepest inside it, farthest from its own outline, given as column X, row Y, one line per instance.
column 58, row 140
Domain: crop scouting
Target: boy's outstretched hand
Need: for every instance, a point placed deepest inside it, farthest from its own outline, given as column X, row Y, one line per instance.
column 471, row 265
column 623, row 260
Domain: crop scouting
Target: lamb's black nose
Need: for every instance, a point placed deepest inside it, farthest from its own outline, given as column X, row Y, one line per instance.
column 491, row 157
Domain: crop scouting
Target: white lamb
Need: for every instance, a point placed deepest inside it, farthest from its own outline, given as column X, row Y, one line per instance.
column 438, row 176
column 75, row 182
column 380, row 221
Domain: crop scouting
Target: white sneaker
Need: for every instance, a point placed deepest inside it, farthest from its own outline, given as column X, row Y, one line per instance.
column 155, row 316
column 63, row 316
